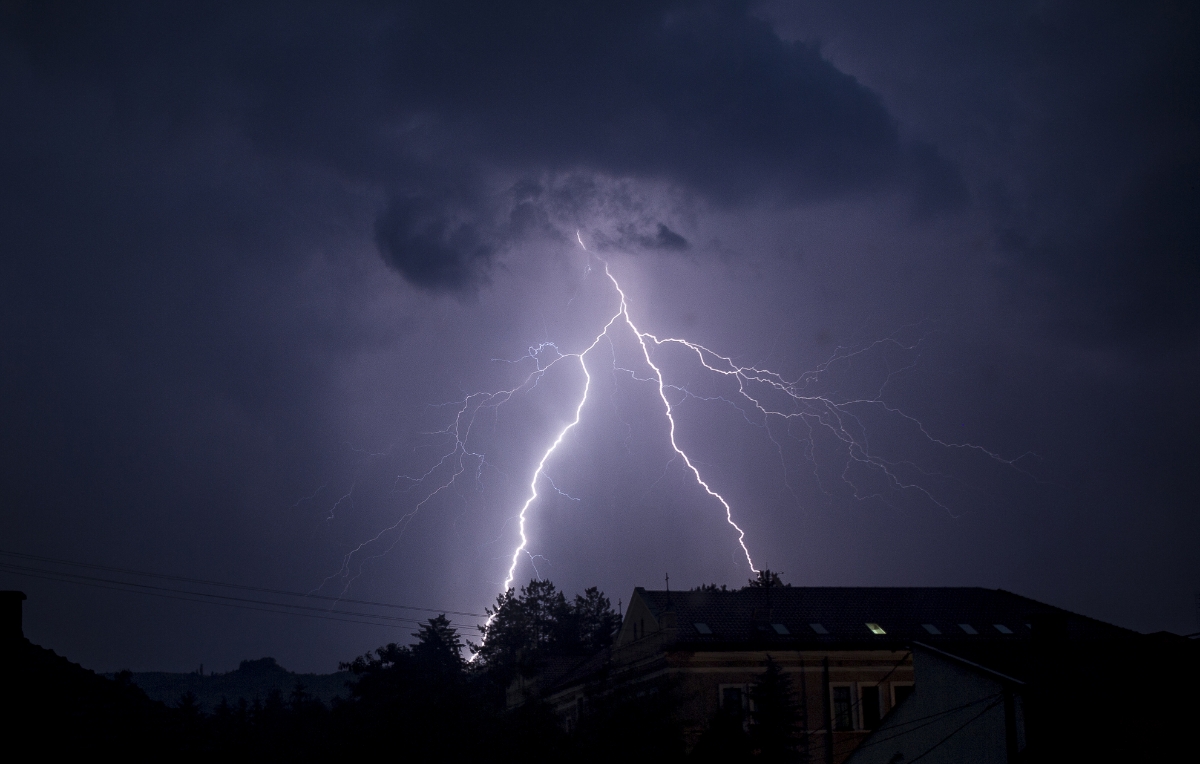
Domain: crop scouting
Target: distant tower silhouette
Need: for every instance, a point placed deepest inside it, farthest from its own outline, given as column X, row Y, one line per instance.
column 10, row 616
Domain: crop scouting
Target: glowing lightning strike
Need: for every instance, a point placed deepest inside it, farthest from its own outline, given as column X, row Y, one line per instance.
column 662, row 393
column 622, row 313
column 842, row 419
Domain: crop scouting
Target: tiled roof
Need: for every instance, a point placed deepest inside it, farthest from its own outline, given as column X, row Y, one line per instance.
column 863, row 615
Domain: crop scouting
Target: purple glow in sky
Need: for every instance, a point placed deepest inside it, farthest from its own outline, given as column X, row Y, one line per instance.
column 260, row 260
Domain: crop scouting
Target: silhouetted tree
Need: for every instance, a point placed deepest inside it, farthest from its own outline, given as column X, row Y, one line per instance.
column 438, row 648
column 724, row 739
column 766, row 579
column 773, row 727
column 586, row 625
column 520, row 629
column 299, row 696
column 640, row 723
column 420, row 694
column 538, row 623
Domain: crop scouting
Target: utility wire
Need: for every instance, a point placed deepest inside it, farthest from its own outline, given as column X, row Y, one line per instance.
column 243, row 587
column 928, row 720
column 194, row 596
column 955, row 732
column 208, row 602
column 857, row 702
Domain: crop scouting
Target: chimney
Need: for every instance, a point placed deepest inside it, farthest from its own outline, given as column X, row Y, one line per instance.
column 10, row 616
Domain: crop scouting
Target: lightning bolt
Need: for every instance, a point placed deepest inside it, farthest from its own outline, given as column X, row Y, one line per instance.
column 622, row 315
column 794, row 401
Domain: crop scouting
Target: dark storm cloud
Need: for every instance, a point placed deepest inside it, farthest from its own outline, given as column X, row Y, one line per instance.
column 1077, row 125
column 702, row 95
column 1132, row 276
column 1117, row 216
column 665, row 238
column 432, row 252
column 207, row 213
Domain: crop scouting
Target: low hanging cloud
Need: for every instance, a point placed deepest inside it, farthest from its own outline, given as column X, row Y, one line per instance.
column 416, row 238
column 701, row 95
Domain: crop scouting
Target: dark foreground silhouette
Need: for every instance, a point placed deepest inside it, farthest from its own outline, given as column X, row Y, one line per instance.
column 420, row 702
column 252, row 679
column 1131, row 699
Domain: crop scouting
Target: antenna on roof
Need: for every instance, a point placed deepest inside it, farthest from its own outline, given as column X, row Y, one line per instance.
column 667, row 576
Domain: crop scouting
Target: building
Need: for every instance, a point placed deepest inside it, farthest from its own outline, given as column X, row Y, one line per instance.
column 54, row 709
column 854, row 656
column 964, row 712
column 1066, row 694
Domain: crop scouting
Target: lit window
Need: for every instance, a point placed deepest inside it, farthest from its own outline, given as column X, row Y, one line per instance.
column 702, row 628
column 929, row 627
column 780, row 628
column 967, row 628
column 876, row 628
column 1002, row 628
column 817, row 628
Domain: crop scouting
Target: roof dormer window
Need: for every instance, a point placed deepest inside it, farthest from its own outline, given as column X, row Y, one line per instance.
column 876, row 629
column 818, row 628
column 702, row 628
column 780, row 628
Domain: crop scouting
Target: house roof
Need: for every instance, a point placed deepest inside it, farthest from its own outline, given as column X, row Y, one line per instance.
column 863, row 616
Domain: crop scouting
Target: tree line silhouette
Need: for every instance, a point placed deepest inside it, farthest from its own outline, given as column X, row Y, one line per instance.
column 424, row 701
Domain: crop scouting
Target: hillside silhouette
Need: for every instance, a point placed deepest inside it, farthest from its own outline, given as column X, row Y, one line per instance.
column 251, row 680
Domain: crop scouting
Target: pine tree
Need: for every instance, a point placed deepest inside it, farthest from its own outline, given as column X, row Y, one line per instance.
column 766, row 579
column 773, row 730
column 438, row 648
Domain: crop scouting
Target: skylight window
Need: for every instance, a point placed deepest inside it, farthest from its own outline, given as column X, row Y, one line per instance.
column 1002, row 628
column 817, row 628
column 702, row 628
column 876, row 628
column 780, row 628
column 967, row 628
column 929, row 627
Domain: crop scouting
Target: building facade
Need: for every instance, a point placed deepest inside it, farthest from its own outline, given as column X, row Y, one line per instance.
column 849, row 654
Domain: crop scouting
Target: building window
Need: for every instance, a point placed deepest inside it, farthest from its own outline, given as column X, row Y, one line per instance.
column 735, row 697
column 731, row 698
column 843, row 706
column 818, row 628
column 1002, row 628
column 876, row 628
column 869, row 702
column 900, row 691
column 967, row 628
column 929, row 627
column 702, row 628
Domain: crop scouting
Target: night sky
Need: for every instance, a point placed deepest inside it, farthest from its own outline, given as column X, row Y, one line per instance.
column 254, row 258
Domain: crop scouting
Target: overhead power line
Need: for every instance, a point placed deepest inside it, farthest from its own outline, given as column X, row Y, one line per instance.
column 244, row 603
column 956, row 731
column 904, row 728
column 242, row 587
column 170, row 596
column 227, row 600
